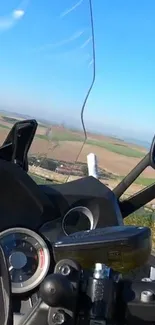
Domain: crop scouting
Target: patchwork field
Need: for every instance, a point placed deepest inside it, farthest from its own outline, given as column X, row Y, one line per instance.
column 60, row 143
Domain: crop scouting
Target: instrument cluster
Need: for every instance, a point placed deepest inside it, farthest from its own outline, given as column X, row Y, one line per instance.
column 28, row 258
column 27, row 253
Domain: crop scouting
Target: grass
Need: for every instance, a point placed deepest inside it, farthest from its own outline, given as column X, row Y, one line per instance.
column 40, row 180
column 10, row 120
column 4, row 126
column 143, row 218
column 42, row 136
column 145, row 181
column 67, row 135
column 141, row 180
column 113, row 147
column 61, row 137
column 116, row 148
column 124, row 149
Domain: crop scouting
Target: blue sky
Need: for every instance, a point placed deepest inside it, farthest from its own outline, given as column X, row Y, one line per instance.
column 46, row 62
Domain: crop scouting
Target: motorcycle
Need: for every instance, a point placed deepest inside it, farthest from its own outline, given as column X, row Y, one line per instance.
column 66, row 256
column 31, row 246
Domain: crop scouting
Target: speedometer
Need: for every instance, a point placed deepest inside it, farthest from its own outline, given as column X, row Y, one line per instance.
column 28, row 258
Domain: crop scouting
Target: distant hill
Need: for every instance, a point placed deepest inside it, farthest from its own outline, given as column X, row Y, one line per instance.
column 22, row 116
column 142, row 143
column 8, row 113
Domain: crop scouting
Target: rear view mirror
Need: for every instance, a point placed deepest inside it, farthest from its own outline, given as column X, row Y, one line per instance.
column 17, row 144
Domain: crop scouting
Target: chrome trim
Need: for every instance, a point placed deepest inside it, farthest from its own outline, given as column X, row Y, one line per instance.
column 83, row 210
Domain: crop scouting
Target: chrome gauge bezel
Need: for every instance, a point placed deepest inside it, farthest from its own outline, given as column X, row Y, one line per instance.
column 40, row 273
column 82, row 209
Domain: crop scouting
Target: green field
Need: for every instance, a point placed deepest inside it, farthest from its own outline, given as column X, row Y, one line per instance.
column 67, row 136
column 4, row 126
column 122, row 149
column 141, row 180
column 143, row 218
column 144, row 181
column 70, row 135
column 113, row 147
column 42, row 136
column 116, row 148
column 39, row 180
column 9, row 119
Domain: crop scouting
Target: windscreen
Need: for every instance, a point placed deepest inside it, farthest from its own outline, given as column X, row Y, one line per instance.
column 85, row 70
column 120, row 113
column 46, row 64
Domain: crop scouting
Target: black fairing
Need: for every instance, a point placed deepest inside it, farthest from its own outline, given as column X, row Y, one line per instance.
column 25, row 204
column 6, row 312
column 22, row 203
column 88, row 192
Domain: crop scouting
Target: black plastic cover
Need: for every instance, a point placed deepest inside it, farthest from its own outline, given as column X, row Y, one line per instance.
column 22, row 203
column 130, row 309
column 6, row 313
column 88, row 192
column 123, row 248
column 128, row 235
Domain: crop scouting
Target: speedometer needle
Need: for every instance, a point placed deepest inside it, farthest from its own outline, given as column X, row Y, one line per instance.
column 10, row 268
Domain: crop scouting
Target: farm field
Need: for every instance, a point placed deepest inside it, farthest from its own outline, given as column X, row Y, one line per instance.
column 59, row 143
column 118, row 162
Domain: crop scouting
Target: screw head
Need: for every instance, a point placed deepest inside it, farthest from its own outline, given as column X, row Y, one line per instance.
column 147, row 296
column 58, row 318
column 65, row 270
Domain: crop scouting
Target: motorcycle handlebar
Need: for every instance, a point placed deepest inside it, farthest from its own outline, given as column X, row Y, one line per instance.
column 103, row 297
column 71, row 296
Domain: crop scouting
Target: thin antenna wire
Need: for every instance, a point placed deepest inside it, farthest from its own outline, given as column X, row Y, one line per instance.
column 88, row 92
column 92, row 82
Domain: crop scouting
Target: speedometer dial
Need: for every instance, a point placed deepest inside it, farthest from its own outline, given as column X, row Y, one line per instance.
column 27, row 256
